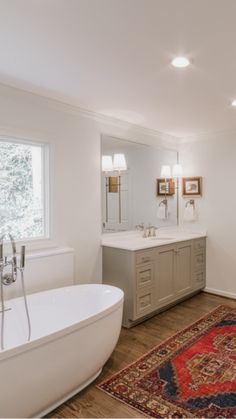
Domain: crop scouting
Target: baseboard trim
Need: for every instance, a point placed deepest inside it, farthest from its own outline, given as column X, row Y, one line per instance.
column 220, row 292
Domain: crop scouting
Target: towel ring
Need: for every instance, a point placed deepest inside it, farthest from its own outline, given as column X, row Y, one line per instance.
column 191, row 202
column 163, row 202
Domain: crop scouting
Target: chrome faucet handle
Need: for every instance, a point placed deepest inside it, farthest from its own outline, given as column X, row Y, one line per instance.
column 149, row 229
column 145, row 232
column 139, row 227
column 152, row 231
column 8, row 278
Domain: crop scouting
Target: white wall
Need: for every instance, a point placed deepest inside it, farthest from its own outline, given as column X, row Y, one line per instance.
column 74, row 138
column 215, row 160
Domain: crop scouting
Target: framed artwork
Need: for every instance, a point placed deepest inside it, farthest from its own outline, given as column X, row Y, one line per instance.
column 165, row 187
column 192, row 186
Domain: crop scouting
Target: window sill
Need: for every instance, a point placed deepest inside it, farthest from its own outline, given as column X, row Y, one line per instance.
column 33, row 246
column 46, row 252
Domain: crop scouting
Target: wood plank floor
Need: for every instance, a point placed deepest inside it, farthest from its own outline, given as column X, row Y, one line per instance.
column 93, row 403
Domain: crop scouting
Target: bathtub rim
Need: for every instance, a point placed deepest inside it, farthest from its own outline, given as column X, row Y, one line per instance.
column 44, row 340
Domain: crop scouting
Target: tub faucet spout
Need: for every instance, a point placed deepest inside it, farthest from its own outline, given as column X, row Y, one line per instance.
column 9, row 278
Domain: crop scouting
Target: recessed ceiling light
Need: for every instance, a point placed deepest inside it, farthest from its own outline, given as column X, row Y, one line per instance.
column 233, row 103
column 180, row 62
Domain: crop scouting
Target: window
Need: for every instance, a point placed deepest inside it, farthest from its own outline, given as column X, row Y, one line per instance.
column 23, row 206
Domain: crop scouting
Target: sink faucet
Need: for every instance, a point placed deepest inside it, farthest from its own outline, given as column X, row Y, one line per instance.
column 9, row 278
column 149, row 231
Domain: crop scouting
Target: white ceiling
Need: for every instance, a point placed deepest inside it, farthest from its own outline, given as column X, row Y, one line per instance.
column 113, row 57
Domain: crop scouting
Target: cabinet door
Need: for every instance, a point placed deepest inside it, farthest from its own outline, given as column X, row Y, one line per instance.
column 164, row 275
column 183, row 268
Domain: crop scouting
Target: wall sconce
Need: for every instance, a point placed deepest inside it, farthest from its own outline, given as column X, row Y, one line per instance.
column 165, row 171
column 177, row 172
column 113, row 183
column 119, row 164
column 107, row 166
column 162, row 212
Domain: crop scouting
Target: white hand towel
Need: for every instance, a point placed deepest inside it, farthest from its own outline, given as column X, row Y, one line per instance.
column 162, row 212
column 189, row 213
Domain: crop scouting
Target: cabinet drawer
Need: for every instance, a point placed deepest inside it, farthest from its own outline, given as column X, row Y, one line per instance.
column 199, row 278
column 199, row 244
column 199, row 261
column 144, row 256
column 144, row 276
column 144, row 302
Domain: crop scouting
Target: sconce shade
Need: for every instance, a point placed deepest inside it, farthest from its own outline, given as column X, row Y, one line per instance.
column 107, row 165
column 165, row 171
column 177, row 170
column 119, row 162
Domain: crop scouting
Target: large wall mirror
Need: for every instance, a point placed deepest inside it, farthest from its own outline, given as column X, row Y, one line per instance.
column 132, row 191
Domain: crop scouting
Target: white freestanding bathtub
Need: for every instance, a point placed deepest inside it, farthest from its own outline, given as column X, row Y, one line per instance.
column 74, row 331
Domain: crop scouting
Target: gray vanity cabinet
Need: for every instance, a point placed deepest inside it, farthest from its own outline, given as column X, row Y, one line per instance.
column 155, row 278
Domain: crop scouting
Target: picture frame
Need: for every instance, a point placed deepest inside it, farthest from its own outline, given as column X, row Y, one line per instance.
column 165, row 187
column 192, row 186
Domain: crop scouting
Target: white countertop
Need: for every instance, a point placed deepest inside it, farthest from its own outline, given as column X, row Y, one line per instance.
column 133, row 240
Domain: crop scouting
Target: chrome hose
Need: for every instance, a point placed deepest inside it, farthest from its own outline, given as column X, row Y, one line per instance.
column 26, row 304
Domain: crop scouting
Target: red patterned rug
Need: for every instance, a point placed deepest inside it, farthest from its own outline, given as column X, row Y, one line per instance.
column 192, row 374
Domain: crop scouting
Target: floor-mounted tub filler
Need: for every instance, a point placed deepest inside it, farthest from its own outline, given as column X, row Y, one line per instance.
column 73, row 332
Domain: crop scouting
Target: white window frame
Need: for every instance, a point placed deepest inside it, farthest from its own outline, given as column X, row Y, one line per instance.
column 39, row 242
